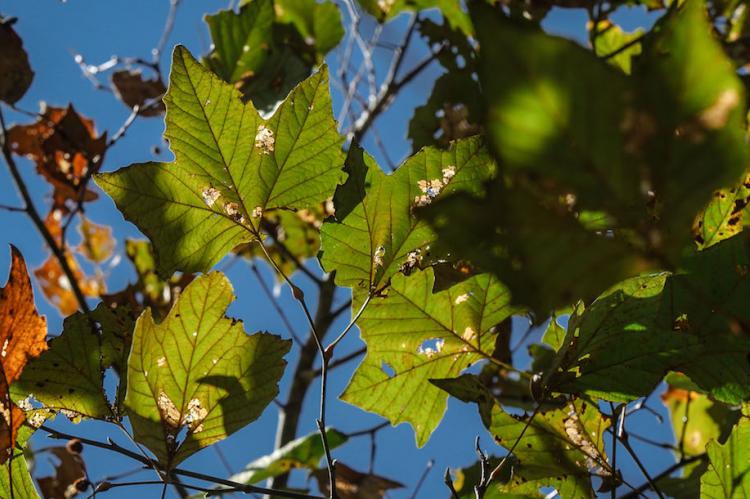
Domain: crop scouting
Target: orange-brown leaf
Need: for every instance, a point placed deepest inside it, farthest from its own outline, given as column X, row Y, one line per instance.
column 64, row 147
column 56, row 286
column 22, row 337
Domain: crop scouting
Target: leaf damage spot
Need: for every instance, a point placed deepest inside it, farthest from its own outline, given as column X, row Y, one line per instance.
column 169, row 412
column 431, row 188
column 196, row 413
column 431, row 347
column 377, row 257
column 210, row 195
column 232, row 210
column 461, row 298
column 264, row 140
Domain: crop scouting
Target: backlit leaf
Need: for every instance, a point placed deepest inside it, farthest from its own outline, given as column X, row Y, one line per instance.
column 231, row 166
column 304, row 452
column 414, row 336
column 376, row 233
column 199, row 370
column 728, row 473
column 22, row 337
column 15, row 71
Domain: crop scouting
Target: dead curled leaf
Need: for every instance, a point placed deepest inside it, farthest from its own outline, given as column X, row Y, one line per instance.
column 22, row 337
column 352, row 484
column 15, row 71
column 64, row 147
column 133, row 90
column 69, row 478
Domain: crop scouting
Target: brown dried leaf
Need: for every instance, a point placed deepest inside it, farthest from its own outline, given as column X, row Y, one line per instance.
column 133, row 90
column 64, row 147
column 22, row 337
column 70, row 476
column 15, row 71
column 352, row 484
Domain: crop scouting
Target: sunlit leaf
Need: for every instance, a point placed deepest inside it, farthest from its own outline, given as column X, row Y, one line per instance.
column 198, row 370
column 22, row 486
column 97, row 243
column 376, row 234
column 210, row 199
column 304, row 452
column 611, row 39
column 70, row 374
column 413, row 336
column 696, row 419
column 728, row 473
column 22, row 337
column 724, row 216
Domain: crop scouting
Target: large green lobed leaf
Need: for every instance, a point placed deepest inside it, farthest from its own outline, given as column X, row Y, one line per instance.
column 376, row 233
column 198, row 369
column 231, row 166
column 413, row 336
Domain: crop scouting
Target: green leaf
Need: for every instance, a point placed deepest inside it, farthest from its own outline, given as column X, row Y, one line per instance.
column 611, row 39
column 558, row 448
column 694, row 115
column 701, row 420
column 240, row 39
column 304, row 452
column 198, row 369
column 198, row 208
column 70, row 374
column 23, row 485
column 318, row 23
column 632, row 335
column 728, row 473
column 545, row 120
column 545, row 254
column 724, row 216
column 414, row 336
column 375, row 233
column 452, row 11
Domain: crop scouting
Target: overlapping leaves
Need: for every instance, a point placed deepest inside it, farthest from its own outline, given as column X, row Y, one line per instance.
column 231, row 166
column 603, row 173
column 376, row 233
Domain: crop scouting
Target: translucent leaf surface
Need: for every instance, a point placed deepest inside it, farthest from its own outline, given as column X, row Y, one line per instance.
column 728, row 473
column 198, row 369
column 231, row 166
column 375, row 233
column 70, row 374
column 413, row 336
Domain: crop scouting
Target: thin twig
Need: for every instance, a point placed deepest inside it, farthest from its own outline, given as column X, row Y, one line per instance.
column 12, row 208
column 638, row 491
column 166, row 32
column 329, row 349
column 449, row 483
column 422, row 478
column 274, row 303
column 114, row 447
column 38, row 222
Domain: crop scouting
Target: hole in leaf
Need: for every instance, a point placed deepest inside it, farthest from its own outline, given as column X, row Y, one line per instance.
column 431, row 346
column 387, row 369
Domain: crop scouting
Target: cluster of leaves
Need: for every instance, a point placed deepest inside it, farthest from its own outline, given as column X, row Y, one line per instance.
column 614, row 195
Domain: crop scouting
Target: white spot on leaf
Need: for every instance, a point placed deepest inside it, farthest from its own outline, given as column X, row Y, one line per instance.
column 264, row 140
column 210, row 195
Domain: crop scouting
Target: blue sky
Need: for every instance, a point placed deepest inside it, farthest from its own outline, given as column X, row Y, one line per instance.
column 53, row 31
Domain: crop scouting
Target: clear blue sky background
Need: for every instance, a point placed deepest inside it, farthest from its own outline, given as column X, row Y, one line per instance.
column 52, row 32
